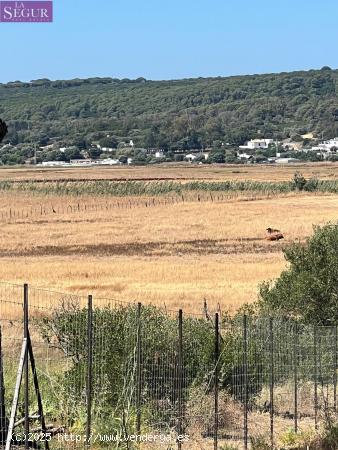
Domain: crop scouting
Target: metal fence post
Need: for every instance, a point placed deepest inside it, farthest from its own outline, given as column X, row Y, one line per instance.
column 89, row 370
column 26, row 367
column 245, row 380
column 315, row 373
column 272, row 383
column 138, row 371
column 3, row 418
column 335, row 362
column 295, row 367
column 180, row 377
column 216, row 380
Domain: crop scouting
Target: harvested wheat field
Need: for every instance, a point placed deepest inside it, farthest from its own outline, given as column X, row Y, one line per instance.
column 166, row 253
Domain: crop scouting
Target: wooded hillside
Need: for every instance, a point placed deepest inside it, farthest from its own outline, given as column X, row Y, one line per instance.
column 182, row 114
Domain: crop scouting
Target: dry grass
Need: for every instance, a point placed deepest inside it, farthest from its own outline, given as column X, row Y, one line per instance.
column 173, row 254
column 325, row 171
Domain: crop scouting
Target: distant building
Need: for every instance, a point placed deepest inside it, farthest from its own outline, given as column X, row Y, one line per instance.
column 159, row 154
column 327, row 145
column 47, row 147
column 295, row 146
column 107, row 149
column 255, row 144
column 108, row 162
column 309, row 136
column 326, row 148
column 7, row 147
column 244, row 156
column 190, row 157
column 54, row 164
column 81, row 162
column 286, row 160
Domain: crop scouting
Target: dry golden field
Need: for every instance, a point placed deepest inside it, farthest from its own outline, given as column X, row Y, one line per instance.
column 324, row 171
column 173, row 254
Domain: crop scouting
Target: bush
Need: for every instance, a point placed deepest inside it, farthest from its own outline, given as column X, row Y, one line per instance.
column 309, row 288
column 302, row 184
column 299, row 181
column 114, row 350
column 218, row 157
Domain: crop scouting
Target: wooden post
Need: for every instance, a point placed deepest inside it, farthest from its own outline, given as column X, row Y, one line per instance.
column 16, row 394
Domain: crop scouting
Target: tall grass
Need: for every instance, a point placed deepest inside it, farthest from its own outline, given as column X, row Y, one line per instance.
column 159, row 188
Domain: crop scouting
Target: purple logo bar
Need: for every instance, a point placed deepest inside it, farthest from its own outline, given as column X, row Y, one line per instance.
column 26, row 11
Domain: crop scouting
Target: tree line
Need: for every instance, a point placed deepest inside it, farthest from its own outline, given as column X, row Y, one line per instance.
column 175, row 115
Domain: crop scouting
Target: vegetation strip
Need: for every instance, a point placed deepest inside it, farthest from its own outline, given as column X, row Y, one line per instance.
column 138, row 188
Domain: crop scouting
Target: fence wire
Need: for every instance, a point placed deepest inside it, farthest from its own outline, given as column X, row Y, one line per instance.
column 113, row 374
column 54, row 208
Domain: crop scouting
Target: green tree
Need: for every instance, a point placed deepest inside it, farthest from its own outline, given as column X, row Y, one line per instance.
column 94, row 152
column 180, row 115
column 217, row 157
column 308, row 289
column 109, row 142
column 231, row 159
column 73, row 153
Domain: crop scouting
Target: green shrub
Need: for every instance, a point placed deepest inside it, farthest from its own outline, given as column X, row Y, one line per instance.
column 114, row 355
column 308, row 289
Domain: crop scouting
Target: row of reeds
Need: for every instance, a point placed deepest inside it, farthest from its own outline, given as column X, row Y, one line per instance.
column 158, row 188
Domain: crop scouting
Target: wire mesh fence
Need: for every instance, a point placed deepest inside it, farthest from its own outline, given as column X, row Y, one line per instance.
column 81, row 372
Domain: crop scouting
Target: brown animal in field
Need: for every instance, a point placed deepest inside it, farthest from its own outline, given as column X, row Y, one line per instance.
column 274, row 235
column 272, row 230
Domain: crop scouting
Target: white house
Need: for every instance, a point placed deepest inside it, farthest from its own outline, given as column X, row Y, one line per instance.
column 107, row 149
column 190, row 157
column 54, row 164
column 47, row 147
column 286, row 160
column 108, row 162
column 7, row 147
column 159, row 154
column 326, row 148
column 255, row 144
column 327, row 145
column 244, row 156
column 81, row 162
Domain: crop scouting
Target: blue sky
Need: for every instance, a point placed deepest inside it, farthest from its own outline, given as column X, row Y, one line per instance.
column 165, row 39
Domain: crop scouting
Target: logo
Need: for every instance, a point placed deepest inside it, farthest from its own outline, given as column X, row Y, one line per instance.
column 26, row 11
